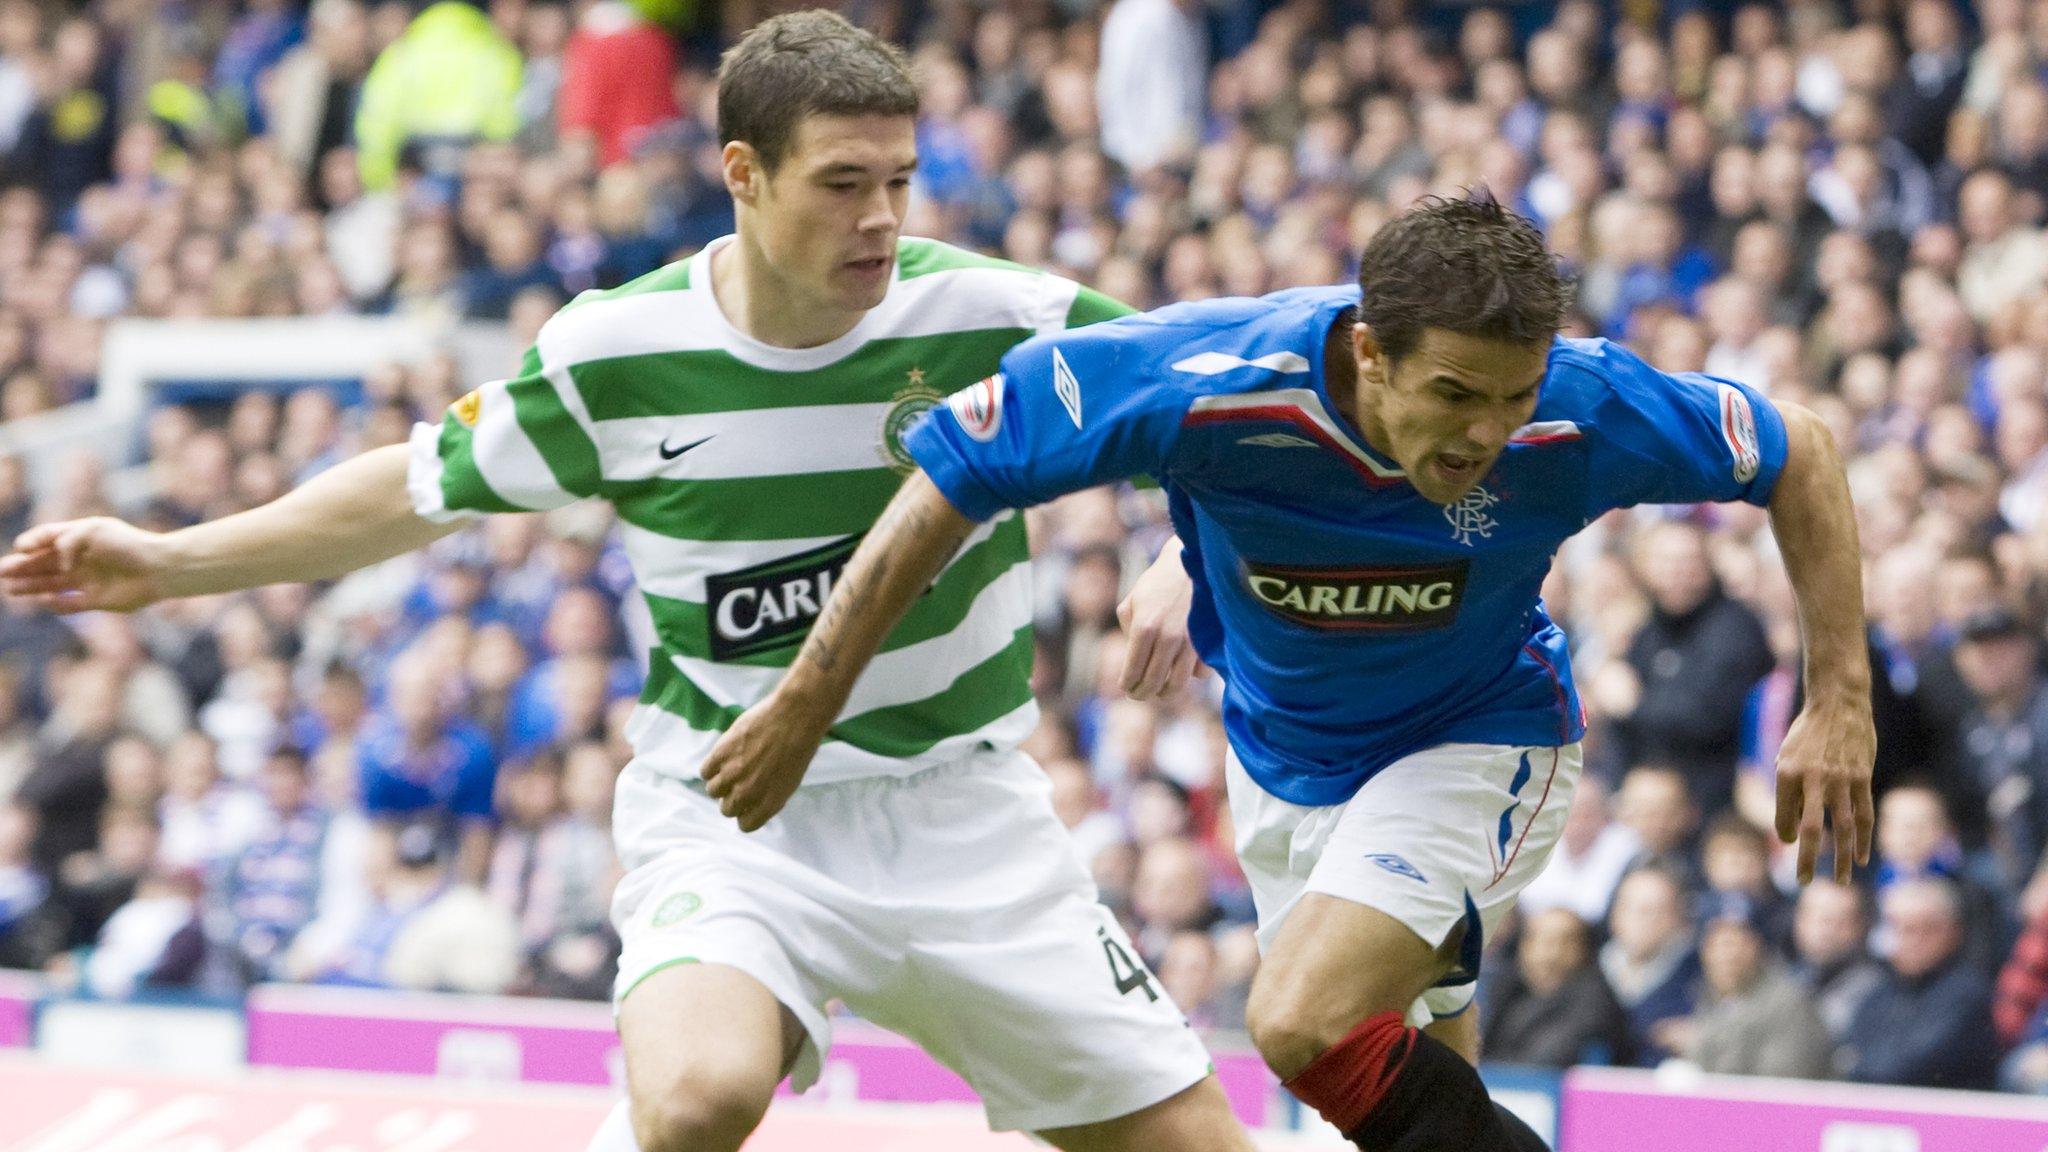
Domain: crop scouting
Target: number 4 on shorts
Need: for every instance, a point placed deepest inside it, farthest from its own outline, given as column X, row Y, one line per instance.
column 1128, row 973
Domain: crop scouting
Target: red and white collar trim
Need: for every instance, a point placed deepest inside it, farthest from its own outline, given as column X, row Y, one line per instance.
column 1303, row 408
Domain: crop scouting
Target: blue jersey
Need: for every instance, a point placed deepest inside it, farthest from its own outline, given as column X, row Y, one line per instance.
column 1353, row 621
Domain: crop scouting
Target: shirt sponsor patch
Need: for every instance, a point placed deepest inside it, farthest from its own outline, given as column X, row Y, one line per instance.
column 772, row 605
column 979, row 408
column 1738, row 428
column 1392, row 599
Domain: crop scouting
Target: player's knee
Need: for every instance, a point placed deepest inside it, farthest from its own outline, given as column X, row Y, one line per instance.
column 1290, row 1039
column 706, row 1113
column 1292, row 1021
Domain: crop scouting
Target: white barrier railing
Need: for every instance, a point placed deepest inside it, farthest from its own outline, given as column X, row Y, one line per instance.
column 138, row 355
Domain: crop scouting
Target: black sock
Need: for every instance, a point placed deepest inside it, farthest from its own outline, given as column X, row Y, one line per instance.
column 1437, row 1103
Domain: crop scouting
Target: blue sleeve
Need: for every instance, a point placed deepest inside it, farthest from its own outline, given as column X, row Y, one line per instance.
column 385, row 792
column 1067, row 411
column 476, row 786
column 1679, row 439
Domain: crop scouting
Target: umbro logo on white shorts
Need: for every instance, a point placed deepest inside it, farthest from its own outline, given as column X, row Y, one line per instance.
column 1396, row 865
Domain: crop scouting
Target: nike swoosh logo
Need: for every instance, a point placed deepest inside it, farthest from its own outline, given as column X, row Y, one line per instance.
column 668, row 453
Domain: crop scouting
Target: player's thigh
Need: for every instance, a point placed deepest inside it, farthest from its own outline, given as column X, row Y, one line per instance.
column 705, row 1045
column 1050, row 1015
column 1437, row 844
column 1334, row 963
column 1010, row 971
column 1197, row 1119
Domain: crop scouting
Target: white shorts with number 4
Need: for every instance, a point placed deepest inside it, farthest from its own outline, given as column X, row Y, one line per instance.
column 949, row 906
column 1446, row 837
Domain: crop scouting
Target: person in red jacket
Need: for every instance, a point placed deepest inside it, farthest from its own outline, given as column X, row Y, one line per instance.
column 616, row 79
column 2022, row 983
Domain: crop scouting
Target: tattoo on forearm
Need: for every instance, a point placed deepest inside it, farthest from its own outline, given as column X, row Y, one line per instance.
column 878, row 565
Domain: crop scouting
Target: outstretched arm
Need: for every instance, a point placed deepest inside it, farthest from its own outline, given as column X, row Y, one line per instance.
column 759, row 762
column 348, row 517
column 1824, row 765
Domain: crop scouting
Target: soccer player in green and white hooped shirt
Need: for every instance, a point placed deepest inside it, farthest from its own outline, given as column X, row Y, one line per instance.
column 741, row 411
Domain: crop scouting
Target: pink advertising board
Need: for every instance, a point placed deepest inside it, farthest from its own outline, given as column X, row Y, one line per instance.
column 52, row 1108
column 17, row 1009
column 1616, row 1110
column 490, row 1039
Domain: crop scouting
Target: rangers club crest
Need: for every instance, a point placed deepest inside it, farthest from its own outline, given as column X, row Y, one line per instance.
column 1469, row 517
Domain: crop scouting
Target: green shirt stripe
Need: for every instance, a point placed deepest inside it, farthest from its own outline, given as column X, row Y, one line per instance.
column 759, row 507
column 1092, row 307
column 569, row 451
column 462, row 483
column 981, row 695
column 699, row 382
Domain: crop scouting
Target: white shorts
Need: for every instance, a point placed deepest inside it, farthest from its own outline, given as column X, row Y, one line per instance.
column 949, row 906
column 1447, row 836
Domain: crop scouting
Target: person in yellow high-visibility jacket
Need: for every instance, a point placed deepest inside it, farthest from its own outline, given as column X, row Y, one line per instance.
column 450, row 76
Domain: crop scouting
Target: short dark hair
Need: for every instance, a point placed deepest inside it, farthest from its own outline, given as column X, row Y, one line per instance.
column 804, row 64
column 1467, row 266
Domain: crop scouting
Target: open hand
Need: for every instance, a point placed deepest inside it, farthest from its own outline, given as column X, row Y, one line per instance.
column 98, row 563
column 1824, row 769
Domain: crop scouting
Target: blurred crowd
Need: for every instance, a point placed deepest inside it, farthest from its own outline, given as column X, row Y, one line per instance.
column 404, row 779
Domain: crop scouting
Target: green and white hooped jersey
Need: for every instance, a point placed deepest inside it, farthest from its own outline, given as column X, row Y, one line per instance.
column 745, row 474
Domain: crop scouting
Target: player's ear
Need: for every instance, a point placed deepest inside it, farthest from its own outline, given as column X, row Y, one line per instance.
column 744, row 173
column 1365, row 351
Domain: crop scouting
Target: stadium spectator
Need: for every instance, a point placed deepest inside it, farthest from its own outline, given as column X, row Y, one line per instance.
column 1656, row 806
column 268, row 893
column 68, row 785
column 1696, row 658
column 1924, row 1024
column 1915, row 840
column 1649, row 960
column 2003, row 753
column 92, row 884
column 152, row 941
column 1735, row 858
column 17, row 731
column 206, row 824
column 1150, row 83
column 449, row 81
column 66, row 145
column 1754, row 1018
column 1830, row 951
column 26, row 923
column 1591, row 856
column 309, row 95
column 617, row 79
column 529, row 797
column 421, row 931
column 1170, row 895
column 1918, row 656
column 421, row 761
column 1552, row 1007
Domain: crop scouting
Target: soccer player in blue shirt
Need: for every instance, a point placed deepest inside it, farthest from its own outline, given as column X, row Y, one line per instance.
column 1369, row 483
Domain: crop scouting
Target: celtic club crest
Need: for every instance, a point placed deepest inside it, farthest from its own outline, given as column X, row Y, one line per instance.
column 909, row 404
column 1469, row 517
column 678, row 907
